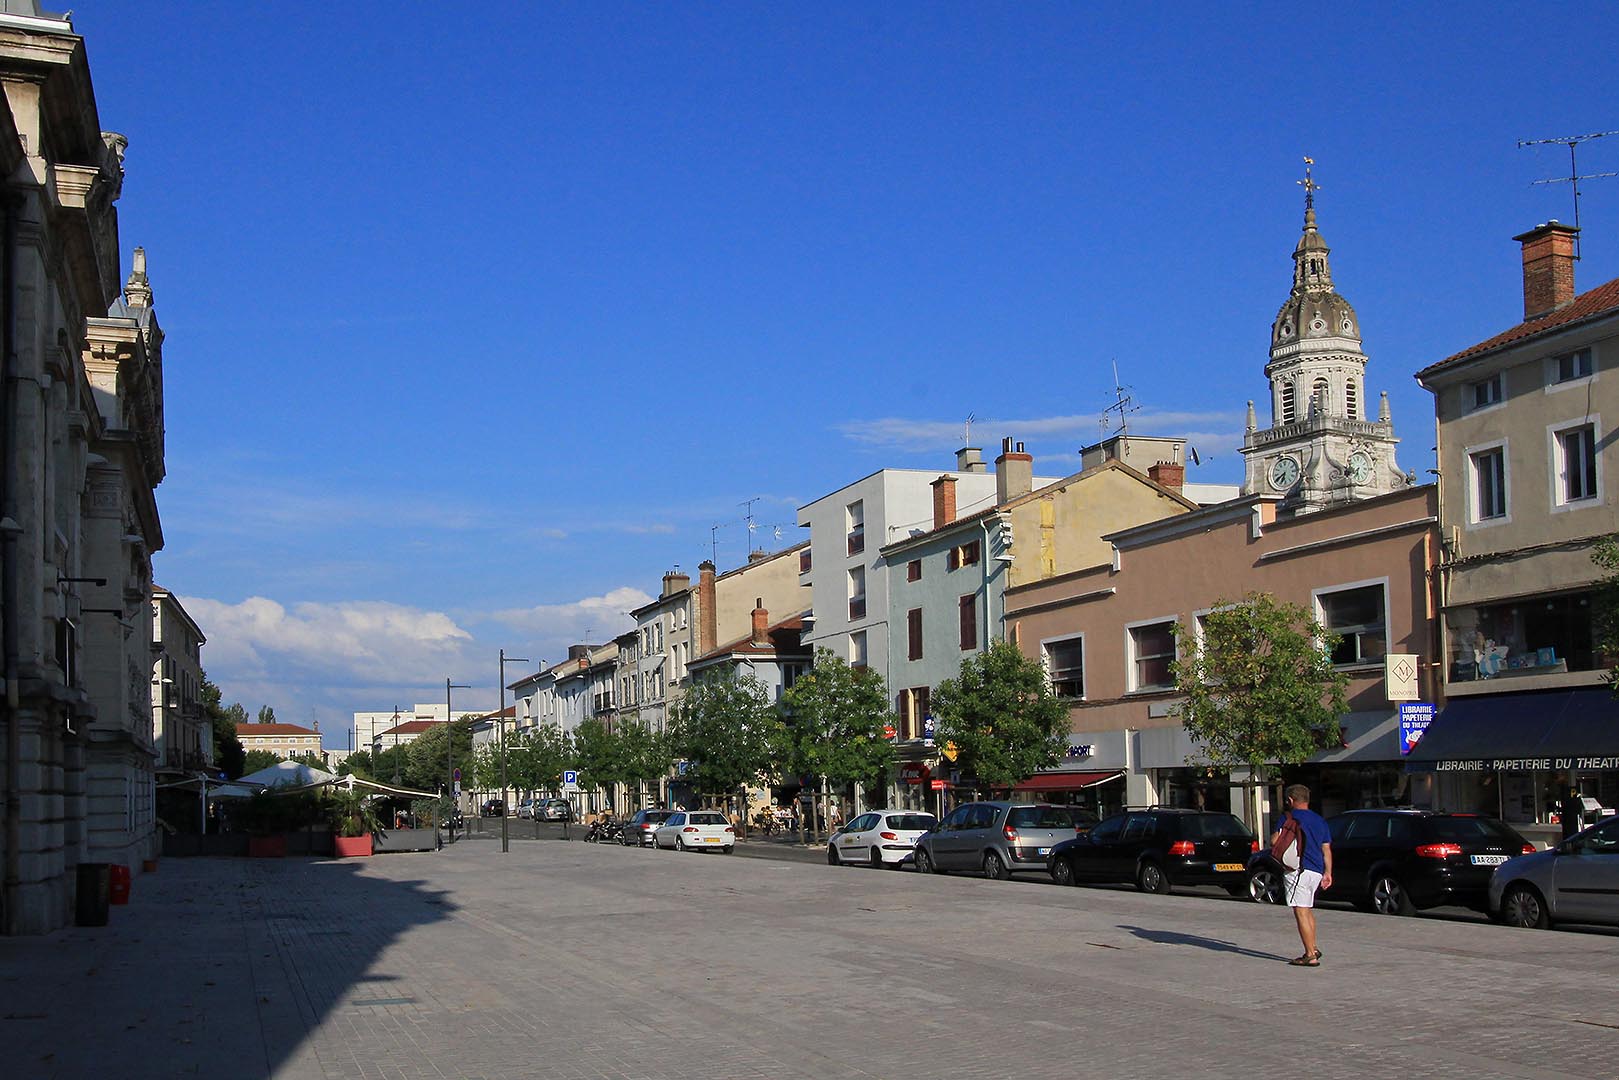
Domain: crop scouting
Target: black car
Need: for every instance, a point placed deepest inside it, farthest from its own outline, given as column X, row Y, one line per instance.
column 1158, row 848
column 493, row 808
column 1395, row 862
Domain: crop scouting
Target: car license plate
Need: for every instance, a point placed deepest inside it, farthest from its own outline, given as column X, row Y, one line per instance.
column 711, row 840
column 1229, row 867
column 1043, row 851
column 1489, row 860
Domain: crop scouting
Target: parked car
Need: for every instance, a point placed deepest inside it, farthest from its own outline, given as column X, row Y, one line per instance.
column 639, row 829
column 998, row 838
column 696, row 830
column 1159, row 848
column 1395, row 862
column 554, row 810
column 879, row 838
column 525, row 809
column 1577, row 881
column 493, row 808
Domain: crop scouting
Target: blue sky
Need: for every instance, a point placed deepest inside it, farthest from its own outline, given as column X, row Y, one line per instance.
column 480, row 317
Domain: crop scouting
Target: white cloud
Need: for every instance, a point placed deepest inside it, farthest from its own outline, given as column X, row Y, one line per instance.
column 910, row 434
column 599, row 616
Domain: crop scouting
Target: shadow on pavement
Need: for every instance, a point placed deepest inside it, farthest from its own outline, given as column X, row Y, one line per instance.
column 1171, row 937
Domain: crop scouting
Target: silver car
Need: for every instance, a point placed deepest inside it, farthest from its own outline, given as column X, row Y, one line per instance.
column 1577, row 881
column 998, row 838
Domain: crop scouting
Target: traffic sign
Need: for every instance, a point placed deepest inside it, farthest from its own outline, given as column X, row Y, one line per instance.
column 570, row 776
column 455, row 774
column 950, row 751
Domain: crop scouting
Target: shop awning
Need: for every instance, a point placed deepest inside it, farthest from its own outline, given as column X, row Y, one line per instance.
column 1066, row 781
column 1549, row 729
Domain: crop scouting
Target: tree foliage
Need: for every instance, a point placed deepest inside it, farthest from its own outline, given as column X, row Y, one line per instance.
column 835, row 720
column 266, row 714
column 535, row 759
column 429, row 760
column 1605, row 613
column 359, row 763
column 644, row 754
column 229, row 756
column 1002, row 716
column 313, row 760
column 259, row 759
column 1260, row 687
column 595, row 754
column 729, row 732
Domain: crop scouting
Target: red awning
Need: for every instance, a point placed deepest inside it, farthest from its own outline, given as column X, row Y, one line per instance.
column 1066, row 781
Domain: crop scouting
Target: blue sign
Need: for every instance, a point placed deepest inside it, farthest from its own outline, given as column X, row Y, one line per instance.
column 927, row 726
column 570, row 776
column 1415, row 716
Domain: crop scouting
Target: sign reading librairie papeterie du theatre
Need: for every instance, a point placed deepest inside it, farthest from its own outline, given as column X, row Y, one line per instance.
column 1400, row 676
column 1414, row 720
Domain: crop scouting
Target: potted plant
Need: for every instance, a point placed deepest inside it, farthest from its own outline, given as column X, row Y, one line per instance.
column 354, row 820
column 260, row 817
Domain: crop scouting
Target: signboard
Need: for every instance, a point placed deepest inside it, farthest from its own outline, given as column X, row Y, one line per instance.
column 913, row 772
column 938, row 785
column 570, row 776
column 1079, row 750
column 1414, row 720
column 927, row 728
column 889, row 733
column 455, row 775
column 456, row 793
column 1400, row 676
column 950, row 750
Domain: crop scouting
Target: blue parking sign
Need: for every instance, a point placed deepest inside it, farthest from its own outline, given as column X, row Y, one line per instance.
column 570, row 776
column 1415, row 716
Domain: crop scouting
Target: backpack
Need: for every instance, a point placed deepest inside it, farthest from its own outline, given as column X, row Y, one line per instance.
column 1289, row 846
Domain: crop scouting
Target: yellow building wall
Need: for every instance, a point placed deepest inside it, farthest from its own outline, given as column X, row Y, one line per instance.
column 1059, row 529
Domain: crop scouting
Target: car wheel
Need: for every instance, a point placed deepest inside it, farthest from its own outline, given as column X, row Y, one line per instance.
column 680, row 845
column 1389, row 896
column 1265, row 886
column 876, row 859
column 994, row 868
column 831, row 856
column 1151, row 878
column 1062, row 872
column 728, row 849
column 1522, row 907
column 925, row 863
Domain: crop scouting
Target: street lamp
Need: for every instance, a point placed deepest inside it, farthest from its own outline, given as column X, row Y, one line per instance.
column 396, row 745
column 449, row 746
column 500, row 718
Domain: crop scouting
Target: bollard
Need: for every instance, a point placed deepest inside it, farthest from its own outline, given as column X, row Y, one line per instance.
column 118, row 884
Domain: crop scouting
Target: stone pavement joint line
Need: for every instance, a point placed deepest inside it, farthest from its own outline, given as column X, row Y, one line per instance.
column 578, row 962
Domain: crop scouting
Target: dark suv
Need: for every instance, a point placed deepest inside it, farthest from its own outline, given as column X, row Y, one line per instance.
column 1394, row 862
column 1159, row 848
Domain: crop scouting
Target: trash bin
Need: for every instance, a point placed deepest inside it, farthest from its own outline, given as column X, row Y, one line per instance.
column 91, row 900
column 118, row 883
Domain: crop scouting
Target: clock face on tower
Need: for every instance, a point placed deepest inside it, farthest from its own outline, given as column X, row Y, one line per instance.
column 1284, row 472
column 1360, row 467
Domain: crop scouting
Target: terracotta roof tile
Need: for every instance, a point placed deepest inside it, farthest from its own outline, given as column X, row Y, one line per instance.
column 1601, row 300
column 273, row 729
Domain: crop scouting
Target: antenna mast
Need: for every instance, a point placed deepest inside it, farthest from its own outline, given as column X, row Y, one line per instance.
column 1123, row 404
column 967, row 429
column 1573, row 178
column 747, row 505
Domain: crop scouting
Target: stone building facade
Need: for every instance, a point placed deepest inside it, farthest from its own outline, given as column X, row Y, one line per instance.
column 183, row 736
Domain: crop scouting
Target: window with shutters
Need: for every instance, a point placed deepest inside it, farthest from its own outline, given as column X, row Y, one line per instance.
column 969, row 621
column 913, row 633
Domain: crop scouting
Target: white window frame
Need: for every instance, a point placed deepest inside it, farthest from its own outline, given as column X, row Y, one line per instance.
column 865, row 647
column 1552, row 364
column 1045, row 663
column 1560, row 503
column 1130, row 656
column 1468, row 394
column 1468, row 455
column 1348, row 586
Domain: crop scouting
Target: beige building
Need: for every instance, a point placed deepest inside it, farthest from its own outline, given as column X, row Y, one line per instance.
column 283, row 740
column 184, row 738
column 1529, row 475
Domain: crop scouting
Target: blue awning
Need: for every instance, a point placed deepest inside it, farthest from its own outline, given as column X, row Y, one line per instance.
column 1547, row 729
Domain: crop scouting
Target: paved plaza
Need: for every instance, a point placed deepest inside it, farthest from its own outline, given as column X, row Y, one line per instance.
column 567, row 960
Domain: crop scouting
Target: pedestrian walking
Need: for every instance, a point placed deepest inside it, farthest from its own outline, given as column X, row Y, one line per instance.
column 1306, row 834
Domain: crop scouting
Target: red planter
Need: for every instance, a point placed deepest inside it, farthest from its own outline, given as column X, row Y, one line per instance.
column 266, row 847
column 350, row 846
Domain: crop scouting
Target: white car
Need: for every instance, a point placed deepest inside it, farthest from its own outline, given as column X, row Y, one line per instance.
column 696, row 830
column 879, row 838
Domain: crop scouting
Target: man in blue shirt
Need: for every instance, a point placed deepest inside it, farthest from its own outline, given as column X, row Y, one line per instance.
column 1314, row 872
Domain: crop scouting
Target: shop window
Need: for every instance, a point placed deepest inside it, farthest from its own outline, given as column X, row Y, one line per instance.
column 1356, row 615
column 1538, row 635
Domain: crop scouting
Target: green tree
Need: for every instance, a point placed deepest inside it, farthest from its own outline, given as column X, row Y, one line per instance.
column 1002, row 717
column 486, row 767
column 537, row 758
column 266, row 714
column 596, row 754
column 643, row 754
column 1605, row 613
column 314, row 761
column 1260, row 688
column 429, row 761
column 228, row 753
column 259, row 759
column 359, row 763
column 835, row 720
column 726, row 727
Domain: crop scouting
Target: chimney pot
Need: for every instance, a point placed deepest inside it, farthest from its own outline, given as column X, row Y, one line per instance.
column 707, row 617
column 1548, row 268
column 1169, row 475
column 944, row 501
column 1014, row 473
column 761, row 622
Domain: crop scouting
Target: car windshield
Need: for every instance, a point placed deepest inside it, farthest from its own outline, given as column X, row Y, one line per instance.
column 709, row 819
column 912, row 822
column 1041, row 817
column 1461, row 830
column 1213, row 827
column 656, row 815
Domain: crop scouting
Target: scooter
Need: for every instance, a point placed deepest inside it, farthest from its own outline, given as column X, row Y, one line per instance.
column 604, row 831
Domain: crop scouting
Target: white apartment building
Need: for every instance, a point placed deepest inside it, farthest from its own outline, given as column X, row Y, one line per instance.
column 368, row 725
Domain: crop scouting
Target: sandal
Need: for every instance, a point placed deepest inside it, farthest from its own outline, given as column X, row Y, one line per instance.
column 1304, row 961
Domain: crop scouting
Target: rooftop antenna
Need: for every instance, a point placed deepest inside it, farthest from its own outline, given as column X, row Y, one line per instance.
column 748, row 505
column 714, row 542
column 967, row 429
column 1573, row 178
column 1123, row 404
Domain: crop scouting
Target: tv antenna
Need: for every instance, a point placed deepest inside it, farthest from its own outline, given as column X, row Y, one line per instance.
column 967, row 429
column 747, row 505
column 714, row 542
column 1123, row 404
column 1574, row 177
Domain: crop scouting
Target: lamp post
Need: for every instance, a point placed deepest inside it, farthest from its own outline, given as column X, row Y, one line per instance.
column 396, row 745
column 449, row 746
column 500, row 718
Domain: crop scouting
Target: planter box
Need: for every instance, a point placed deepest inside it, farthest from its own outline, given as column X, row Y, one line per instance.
column 347, row 847
column 267, row 847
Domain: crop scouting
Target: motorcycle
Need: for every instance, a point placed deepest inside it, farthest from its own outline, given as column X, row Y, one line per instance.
column 604, row 831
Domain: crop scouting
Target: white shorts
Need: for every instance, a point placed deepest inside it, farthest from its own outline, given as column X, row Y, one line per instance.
column 1299, row 886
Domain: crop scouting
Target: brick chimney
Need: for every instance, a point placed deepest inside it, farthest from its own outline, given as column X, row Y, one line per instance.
column 761, row 622
column 674, row 581
column 1014, row 473
column 1169, row 475
column 1548, row 268
column 707, row 617
column 944, row 501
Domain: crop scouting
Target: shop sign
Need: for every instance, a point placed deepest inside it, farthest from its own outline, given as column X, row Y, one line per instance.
column 1079, row 750
column 938, row 785
column 1414, row 720
column 1526, row 764
column 927, row 727
column 1400, row 676
column 913, row 772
